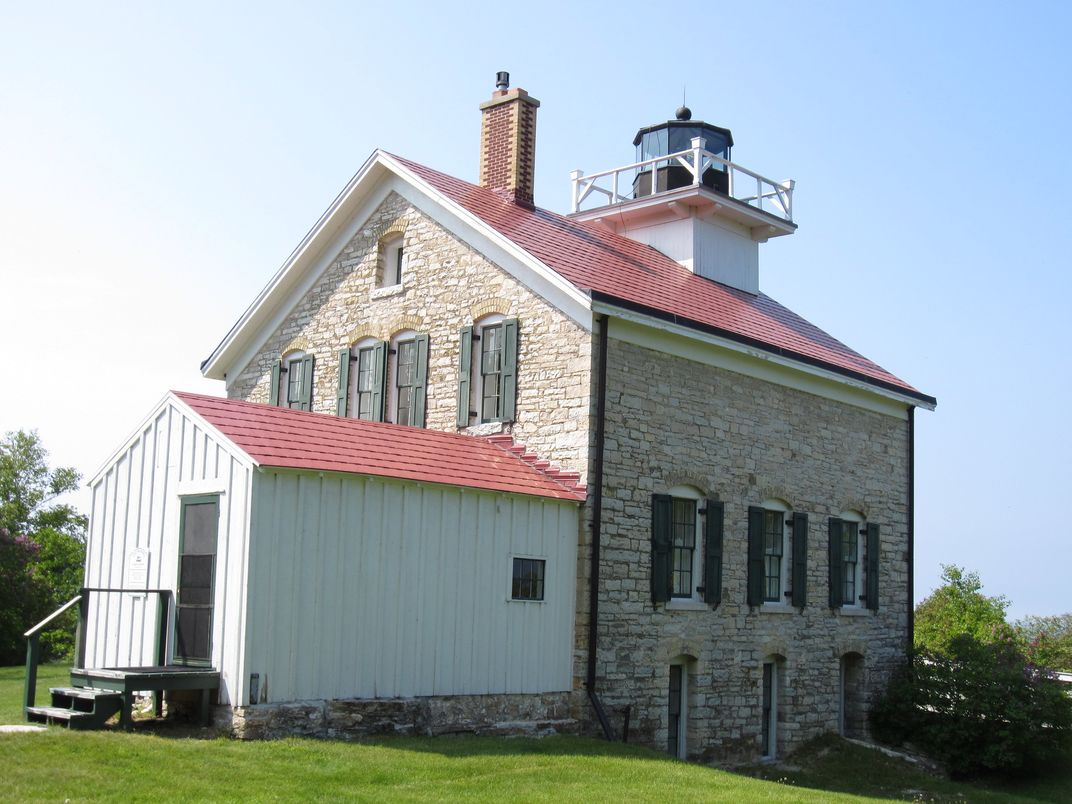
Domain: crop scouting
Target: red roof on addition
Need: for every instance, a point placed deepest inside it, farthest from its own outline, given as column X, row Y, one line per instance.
column 281, row 437
column 624, row 272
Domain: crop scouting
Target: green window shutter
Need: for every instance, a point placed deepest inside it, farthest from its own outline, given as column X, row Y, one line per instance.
column 660, row 547
column 420, row 388
column 755, row 555
column 273, row 391
column 872, row 566
column 465, row 374
column 307, row 383
column 509, row 369
column 713, row 553
column 379, row 379
column 344, row 382
column 800, row 560
column 835, row 562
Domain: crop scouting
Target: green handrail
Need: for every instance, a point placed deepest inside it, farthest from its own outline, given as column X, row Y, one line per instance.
column 33, row 644
column 33, row 650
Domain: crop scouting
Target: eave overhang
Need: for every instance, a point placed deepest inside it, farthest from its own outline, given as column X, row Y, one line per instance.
column 603, row 303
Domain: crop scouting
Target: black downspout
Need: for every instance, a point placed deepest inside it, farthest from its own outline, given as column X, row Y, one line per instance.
column 911, row 528
column 597, row 518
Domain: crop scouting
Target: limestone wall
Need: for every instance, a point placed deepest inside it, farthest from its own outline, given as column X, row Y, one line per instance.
column 672, row 422
column 446, row 285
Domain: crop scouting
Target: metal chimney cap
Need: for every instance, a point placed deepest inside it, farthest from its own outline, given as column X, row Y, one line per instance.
column 502, row 80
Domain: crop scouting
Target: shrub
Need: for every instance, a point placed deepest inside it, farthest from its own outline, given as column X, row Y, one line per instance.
column 978, row 707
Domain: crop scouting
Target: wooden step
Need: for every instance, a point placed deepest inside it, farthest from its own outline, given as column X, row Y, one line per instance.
column 104, row 703
column 82, row 692
column 78, row 707
column 57, row 714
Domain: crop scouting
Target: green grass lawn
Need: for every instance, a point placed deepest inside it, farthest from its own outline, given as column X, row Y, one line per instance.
column 170, row 764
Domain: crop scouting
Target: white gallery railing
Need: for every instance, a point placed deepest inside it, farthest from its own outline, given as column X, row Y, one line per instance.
column 615, row 186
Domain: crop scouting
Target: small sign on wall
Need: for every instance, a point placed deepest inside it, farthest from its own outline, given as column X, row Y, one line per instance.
column 137, row 567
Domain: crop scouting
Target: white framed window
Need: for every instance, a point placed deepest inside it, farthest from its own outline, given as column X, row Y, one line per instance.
column 686, row 549
column 487, row 371
column 292, row 381
column 777, row 557
column 392, row 262
column 364, row 380
column 385, row 380
column 403, row 377
column 490, row 369
column 777, row 551
column 853, row 560
column 686, row 567
column 407, row 378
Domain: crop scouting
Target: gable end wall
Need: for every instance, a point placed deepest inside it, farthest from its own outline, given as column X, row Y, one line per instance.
column 446, row 283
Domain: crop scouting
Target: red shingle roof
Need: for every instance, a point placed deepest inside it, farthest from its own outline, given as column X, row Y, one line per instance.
column 621, row 271
column 289, row 438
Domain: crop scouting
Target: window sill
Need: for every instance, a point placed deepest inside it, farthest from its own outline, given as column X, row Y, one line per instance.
column 777, row 608
column 390, row 290
column 519, row 600
column 485, row 429
column 854, row 611
column 685, row 604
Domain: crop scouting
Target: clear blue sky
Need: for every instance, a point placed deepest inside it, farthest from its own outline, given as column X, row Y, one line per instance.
column 158, row 164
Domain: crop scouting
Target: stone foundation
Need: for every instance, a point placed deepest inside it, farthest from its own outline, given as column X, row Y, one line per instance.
column 499, row 715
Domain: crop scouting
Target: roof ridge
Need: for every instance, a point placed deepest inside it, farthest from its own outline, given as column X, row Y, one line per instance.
column 567, row 478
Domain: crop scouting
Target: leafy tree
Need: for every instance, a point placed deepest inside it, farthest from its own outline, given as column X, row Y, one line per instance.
column 959, row 608
column 42, row 546
column 18, row 601
column 969, row 696
column 1047, row 640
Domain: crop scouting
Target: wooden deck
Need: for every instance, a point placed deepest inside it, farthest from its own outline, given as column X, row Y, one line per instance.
column 156, row 679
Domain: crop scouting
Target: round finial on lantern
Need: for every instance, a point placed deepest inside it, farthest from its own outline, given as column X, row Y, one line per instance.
column 684, row 113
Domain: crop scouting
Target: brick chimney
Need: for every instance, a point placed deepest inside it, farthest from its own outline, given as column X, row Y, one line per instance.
column 508, row 141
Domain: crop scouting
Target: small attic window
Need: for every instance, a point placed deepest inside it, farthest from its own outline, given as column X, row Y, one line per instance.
column 392, row 261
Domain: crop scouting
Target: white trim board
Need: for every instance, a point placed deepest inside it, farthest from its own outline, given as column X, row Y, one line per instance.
column 347, row 214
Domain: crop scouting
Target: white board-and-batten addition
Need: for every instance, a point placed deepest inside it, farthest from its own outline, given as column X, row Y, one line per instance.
column 368, row 587
column 134, row 531
column 331, row 585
